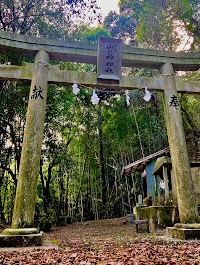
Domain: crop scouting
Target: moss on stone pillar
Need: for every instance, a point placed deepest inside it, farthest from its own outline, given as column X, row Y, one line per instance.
column 24, row 207
column 187, row 205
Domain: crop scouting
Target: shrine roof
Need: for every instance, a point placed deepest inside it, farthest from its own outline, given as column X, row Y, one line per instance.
column 166, row 161
column 140, row 164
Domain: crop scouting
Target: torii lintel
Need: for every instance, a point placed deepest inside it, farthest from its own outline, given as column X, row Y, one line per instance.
column 87, row 52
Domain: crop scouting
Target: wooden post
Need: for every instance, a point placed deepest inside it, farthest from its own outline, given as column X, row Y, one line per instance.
column 24, row 207
column 174, row 193
column 187, row 205
column 166, row 181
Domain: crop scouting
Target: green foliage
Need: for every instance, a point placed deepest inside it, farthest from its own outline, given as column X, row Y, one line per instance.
column 156, row 21
column 188, row 12
column 190, row 113
column 46, row 18
column 7, row 193
column 121, row 26
column 86, row 34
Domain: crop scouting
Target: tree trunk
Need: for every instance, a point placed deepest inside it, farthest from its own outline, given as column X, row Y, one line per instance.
column 102, row 160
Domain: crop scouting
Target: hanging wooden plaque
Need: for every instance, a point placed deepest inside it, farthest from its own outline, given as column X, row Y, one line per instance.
column 109, row 59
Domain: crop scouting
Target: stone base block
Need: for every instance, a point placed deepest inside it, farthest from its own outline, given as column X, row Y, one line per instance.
column 183, row 233
column 20, row 231
column 20, row 240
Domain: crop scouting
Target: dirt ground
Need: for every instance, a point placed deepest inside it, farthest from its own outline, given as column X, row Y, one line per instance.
column 105, row 242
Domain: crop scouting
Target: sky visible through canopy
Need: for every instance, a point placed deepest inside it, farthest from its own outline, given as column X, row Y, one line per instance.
column 107, row 6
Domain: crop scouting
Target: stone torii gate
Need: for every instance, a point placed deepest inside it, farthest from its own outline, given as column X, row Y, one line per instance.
column 41, row 73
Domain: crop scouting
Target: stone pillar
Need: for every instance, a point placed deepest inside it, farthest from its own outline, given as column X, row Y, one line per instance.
column 24, row 207
column 188, row 209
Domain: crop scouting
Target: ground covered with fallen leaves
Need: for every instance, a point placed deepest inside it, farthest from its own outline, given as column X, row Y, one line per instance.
column 105, row 242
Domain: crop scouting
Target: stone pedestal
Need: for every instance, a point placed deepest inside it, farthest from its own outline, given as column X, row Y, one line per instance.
column 23, row 237
column 184, row 231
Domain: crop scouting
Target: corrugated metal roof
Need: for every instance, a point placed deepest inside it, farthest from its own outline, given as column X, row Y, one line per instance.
column 140, row 164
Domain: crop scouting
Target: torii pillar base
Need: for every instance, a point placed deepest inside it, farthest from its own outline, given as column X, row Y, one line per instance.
column 23, row 237
column 184, row 231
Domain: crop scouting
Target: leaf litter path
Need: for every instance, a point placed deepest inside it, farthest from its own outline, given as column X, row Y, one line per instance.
column 105, row 242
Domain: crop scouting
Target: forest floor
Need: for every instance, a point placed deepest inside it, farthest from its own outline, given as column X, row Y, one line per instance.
column 105, row 242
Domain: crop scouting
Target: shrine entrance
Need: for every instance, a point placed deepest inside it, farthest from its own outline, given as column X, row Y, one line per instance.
column 109, row 56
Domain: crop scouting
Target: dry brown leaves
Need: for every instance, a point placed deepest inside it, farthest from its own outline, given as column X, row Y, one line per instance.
column 106, row 242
